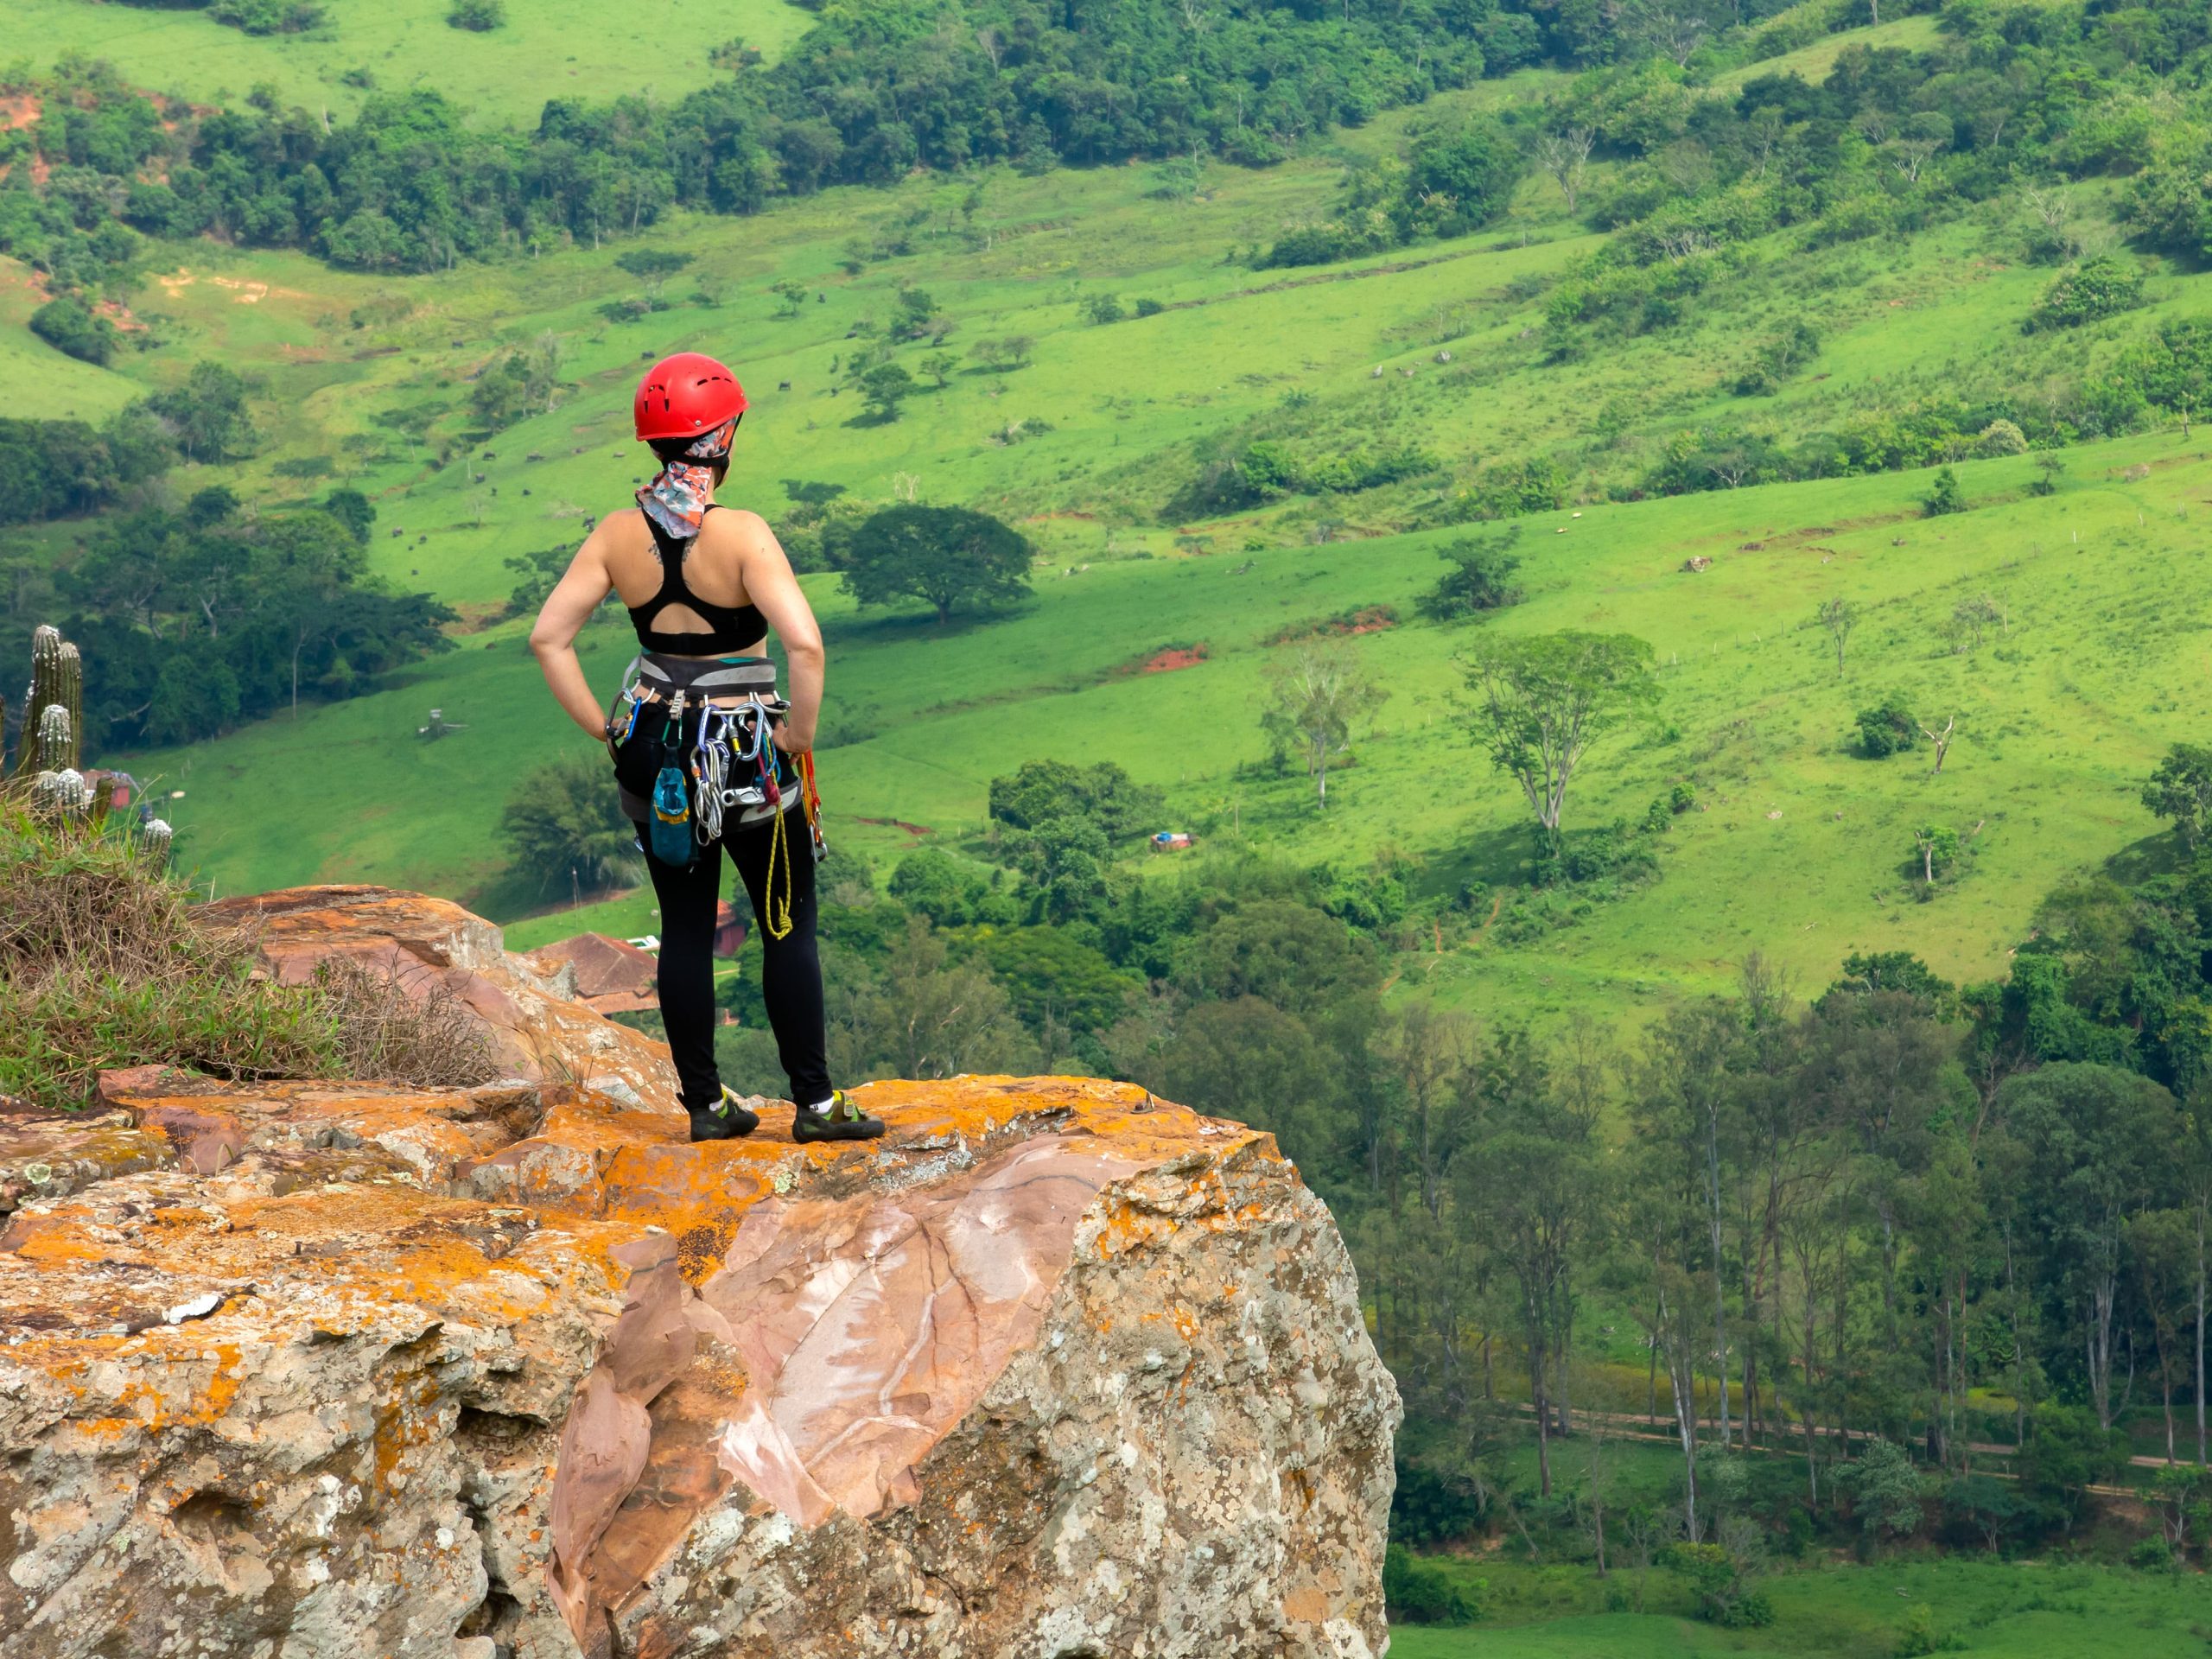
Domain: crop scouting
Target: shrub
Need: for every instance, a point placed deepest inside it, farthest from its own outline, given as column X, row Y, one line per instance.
column 2103, row 287
column 1102, row 308
column 1681, row 798
column 267, row 16
column 1416, row 1592
column 2152, row 1555
column 1777, row 360
column 1886, row 730
column 477, row 16
column 2000, row 437
column 1480, row 579
column 1149, row 307
column 73, row 327
column 1719, row 1580
column 1921, row 1635
column 1944, row 495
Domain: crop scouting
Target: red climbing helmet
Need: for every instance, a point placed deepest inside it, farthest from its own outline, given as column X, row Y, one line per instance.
column 683, row 396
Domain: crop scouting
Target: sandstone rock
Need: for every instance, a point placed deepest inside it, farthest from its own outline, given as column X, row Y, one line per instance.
column 311, row 1369
column 538, row 1030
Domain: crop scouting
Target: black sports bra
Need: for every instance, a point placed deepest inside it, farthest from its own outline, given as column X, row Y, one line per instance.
column 729, row 627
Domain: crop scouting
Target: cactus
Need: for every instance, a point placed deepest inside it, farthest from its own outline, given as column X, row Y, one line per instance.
column 70, row 693
column 54, row 746
column 45, row 683
column 72, row 797
column 154, row 841
column 45, row 791
column 103, row 799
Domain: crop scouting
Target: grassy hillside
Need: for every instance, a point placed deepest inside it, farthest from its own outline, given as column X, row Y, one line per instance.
column 549, row 48
column 1800, row 847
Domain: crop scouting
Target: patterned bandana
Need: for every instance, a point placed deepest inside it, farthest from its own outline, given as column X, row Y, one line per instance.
column 677, row 498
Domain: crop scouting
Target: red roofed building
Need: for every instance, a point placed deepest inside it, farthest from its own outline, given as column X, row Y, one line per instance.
column 730, row 930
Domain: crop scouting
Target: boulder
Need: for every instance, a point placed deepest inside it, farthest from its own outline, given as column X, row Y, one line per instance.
column 537, row 1026
column 300, row 1369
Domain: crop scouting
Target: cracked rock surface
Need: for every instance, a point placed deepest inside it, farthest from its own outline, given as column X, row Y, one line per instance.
column 298, row 1370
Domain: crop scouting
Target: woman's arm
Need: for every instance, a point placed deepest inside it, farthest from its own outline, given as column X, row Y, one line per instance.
column 553, row 640
column 771, row 586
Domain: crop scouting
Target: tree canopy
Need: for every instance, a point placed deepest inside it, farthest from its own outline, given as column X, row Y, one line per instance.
column 948, row 557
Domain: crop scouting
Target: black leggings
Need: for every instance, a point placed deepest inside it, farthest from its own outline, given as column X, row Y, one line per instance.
column 791, row 971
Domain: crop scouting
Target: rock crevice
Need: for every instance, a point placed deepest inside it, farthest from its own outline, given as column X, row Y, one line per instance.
column 309, row 1369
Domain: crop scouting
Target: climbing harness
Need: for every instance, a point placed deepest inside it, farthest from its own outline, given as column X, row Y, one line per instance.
column 729, row 764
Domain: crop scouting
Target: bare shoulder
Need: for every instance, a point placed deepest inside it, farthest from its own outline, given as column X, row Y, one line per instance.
column 737, row 526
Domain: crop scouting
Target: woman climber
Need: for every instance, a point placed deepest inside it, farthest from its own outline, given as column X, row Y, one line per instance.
column 707, row 759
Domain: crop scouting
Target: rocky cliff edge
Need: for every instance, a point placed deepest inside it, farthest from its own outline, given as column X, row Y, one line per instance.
column 317, row 1371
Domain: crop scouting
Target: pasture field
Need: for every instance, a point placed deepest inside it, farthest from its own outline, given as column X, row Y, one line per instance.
column 545, row 49
column 1837, row 1610
column 1798, row 848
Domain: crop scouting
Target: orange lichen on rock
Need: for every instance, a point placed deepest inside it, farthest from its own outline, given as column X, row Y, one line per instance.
column 365, row 1367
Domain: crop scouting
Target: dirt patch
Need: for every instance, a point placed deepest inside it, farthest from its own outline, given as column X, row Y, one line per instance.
column 917, row 830
column 474, row 619
column 1168, row 659
column 1372, row 619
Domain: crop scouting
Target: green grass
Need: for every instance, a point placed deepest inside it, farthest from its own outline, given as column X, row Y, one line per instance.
column 547, row 49
column 2031, row 1609
column 1813, row 62
column 41, row 380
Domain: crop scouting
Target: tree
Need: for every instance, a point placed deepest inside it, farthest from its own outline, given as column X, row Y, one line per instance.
column 2161, row 1247
column 947, row 556
column 1542, row 700
column 516, row 384
column 562, row 817
column 1838, row 616
column 2096, row 1140
column 74, row 328
column 1480, row 579
column 653, row 266
column 924, row 1015
column 790, row 298
column 1565, row 154
column 2180, row 791
column 1316, row 690
column 1940, row 741
column 939, row 366
column 883, row 388
column 1098, row 309
column 1887, row 1490
column 206, row 414
column 1530, row 1178
column 1944, row 495
column 1937, row 847
column 1103, row 794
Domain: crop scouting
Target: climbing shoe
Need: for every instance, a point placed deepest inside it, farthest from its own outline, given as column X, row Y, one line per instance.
column 723, row 1121
column 839, row 1121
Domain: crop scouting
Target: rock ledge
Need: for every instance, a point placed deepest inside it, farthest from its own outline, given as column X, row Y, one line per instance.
column 297, row 1370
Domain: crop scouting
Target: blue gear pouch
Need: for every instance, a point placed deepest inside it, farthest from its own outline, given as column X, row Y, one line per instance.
column 669, row 826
